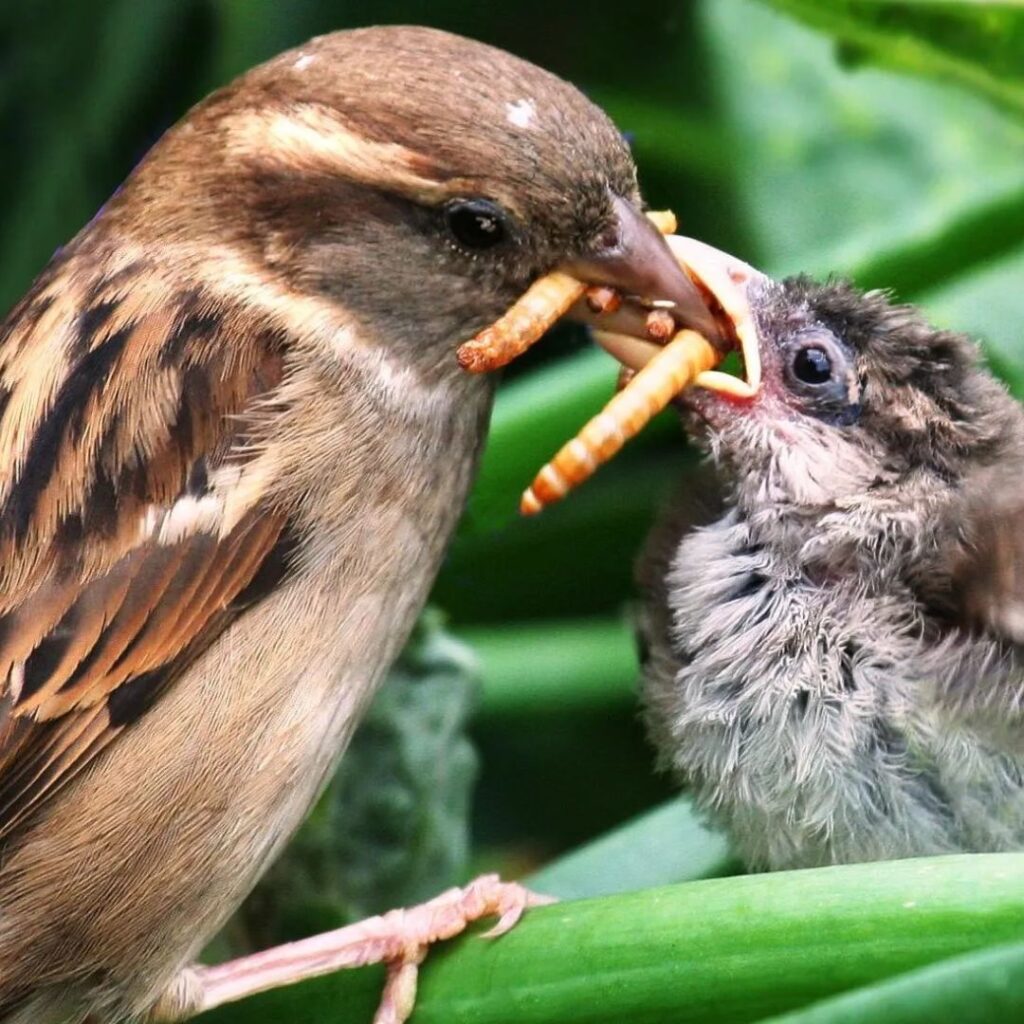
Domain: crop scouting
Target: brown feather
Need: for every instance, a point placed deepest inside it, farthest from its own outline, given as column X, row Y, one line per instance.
column 112, row 577
column 988, row 574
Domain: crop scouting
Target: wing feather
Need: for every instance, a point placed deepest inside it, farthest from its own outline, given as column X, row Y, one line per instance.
column 988, row 578
column 130, row 413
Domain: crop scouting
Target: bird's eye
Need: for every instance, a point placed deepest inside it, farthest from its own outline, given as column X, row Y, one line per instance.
column 477, row 223
column 812, row 365
column 821, row 374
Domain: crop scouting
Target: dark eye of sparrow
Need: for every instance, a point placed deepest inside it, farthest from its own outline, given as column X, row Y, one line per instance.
column 477, row 223
column 812, row 365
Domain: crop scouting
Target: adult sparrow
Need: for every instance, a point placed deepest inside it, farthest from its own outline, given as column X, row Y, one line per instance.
column 234, row 441
column 833, row 648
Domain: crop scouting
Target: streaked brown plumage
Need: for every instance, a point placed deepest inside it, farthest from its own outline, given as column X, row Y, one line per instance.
column 234, row 439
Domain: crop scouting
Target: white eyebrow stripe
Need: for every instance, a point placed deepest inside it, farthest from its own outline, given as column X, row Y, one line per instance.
column 311, row 138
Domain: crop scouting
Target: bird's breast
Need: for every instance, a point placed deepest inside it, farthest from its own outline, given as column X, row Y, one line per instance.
column 173, row 825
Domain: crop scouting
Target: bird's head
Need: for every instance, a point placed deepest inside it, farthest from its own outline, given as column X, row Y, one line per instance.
column 866, row 415
column 418, row 179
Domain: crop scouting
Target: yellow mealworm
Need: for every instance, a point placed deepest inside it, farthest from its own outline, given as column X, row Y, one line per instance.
column 533, row 313
column 660, row 325
column 663, row 220
column 670, row 370
column 602, row 298
column 547, row 299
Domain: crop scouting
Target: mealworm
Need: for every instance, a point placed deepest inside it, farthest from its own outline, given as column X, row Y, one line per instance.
column 602, row 298
column 660, row 325
column 547, row 299
column 532, row 314
column 669, row 371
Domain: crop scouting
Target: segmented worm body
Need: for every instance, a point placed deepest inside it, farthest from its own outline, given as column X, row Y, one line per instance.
column 669, row 371
column 642, row 395
column 602, row 298
column 536, row 310
column 544, row 302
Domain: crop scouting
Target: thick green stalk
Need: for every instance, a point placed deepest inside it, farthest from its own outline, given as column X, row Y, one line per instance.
column 554, row 664
column 722, row 950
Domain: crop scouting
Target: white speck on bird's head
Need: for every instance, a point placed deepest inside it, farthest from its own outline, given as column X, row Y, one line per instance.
column 521, row 113
column 303, row 62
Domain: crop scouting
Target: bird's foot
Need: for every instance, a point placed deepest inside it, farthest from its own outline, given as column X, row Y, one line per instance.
column 400, row 939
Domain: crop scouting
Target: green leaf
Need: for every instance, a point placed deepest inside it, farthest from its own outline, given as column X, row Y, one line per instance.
column 837, row 167
column 574, row 559
column 554, row 664
column 977, row 988
column 676, row 846
column 721, row 950
column 896, row 183
column 974, row 44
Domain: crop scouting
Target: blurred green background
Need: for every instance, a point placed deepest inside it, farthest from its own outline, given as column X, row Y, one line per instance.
column 880, row 140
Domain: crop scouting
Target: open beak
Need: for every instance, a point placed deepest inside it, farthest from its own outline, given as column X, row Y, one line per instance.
column 671, row 308
column 639, row 264
column 720, row 311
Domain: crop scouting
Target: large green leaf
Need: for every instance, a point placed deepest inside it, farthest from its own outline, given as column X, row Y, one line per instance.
column 971, row 42
column 976, row 988
column 669, row 844
column 838, row 168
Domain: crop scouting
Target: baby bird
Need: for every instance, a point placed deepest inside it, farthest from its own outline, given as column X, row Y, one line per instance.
column 833, row 650
column 234, row 441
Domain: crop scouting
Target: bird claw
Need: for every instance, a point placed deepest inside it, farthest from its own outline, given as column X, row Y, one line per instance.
column 441, row 918
column 400, row 939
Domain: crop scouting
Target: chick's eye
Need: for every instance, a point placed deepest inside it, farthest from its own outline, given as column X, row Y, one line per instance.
column 821, row 375
column 812, row 365
column 477, row 223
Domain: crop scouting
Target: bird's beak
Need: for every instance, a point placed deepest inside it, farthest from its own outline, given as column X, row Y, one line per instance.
column 684, row 354
column 638, row 263
column 724, row 284
column 704, row 291
column 697, row 297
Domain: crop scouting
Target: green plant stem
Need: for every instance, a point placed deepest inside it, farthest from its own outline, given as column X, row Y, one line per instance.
column 662, row 847
column 532, row 418
column 731, row 949
column 551, row 665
